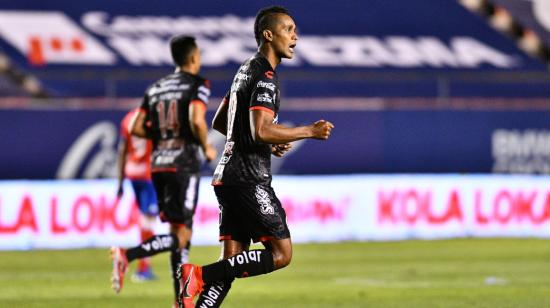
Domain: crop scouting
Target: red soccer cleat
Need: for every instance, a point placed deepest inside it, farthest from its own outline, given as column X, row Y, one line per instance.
column 191, row 284
column 187, row 303
column 120, row 265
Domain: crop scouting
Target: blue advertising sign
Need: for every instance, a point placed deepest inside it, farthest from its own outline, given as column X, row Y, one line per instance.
column 83, row 143
column 116, row 48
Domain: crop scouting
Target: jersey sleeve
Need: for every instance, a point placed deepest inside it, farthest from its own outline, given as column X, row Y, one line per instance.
column 144, row 107
column 264, row 92
column 226, row 97
column 202, row 95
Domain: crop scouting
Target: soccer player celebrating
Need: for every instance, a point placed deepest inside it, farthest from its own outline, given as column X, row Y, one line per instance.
column 173, row 116
column 135, row 164
column 242, row 180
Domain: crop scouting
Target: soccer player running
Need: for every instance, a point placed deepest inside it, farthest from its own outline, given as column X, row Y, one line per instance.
column 135, row 164
column 172, row 115
column 249, row 207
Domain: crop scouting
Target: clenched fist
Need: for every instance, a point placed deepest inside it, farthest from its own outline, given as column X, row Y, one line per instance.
column 321, row 129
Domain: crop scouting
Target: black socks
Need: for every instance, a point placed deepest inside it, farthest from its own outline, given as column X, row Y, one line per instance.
column 177, row 258
column 244, row 264
column 152, row 246
column 213, row 295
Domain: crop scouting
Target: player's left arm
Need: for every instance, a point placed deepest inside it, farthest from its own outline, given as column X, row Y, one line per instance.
column 197, row 119
column 199, row 128
column 280, row 149
column 219, row 122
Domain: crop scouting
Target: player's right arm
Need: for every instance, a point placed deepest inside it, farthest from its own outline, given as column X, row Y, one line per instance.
column 264, row 130
column 262, row 112
column 197, row 119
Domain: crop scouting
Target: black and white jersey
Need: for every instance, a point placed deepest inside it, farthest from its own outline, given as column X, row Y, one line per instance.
column 166, row 104
column 246, row 162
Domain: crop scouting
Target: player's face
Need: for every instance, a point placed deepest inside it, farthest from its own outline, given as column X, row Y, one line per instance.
column 284, row 36
column 196, row 55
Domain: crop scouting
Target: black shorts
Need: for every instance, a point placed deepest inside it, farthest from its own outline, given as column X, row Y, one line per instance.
column 177, row 195
column 250, row 213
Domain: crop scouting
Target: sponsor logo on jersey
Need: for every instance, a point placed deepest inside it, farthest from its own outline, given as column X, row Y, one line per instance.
column 269, row 74
column 264, row 201
column 267, row 85
column 168, row 88
column 264, row 97
column 241, row 76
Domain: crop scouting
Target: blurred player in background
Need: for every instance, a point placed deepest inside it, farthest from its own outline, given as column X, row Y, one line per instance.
column 250, row 210
column 134, row 157
column 173, row 116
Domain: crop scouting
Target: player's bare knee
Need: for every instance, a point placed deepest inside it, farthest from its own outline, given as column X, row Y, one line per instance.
column 229, row 253
column 281, row 259
column 183, row 234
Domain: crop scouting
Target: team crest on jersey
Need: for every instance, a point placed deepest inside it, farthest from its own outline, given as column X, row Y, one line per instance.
column 263, row 199
column 269, row 74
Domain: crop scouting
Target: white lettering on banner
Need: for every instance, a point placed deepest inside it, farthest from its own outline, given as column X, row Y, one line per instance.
column 354, row 51
column 516, row 151
column 52, row 37
column 103, row 24
column 472, row 53
column 151, row 50
column 148, row 50
column 400, row 52
column 103, row 162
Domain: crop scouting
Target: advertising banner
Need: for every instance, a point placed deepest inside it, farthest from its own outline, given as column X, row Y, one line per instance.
column 111, row 48
column 67, row 144
column 74, row 214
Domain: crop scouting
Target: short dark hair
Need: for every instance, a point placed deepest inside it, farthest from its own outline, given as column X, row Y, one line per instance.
column 181, row 47
column 265, row 20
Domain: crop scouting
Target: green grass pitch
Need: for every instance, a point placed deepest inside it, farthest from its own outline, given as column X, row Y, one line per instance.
column 451, row 273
